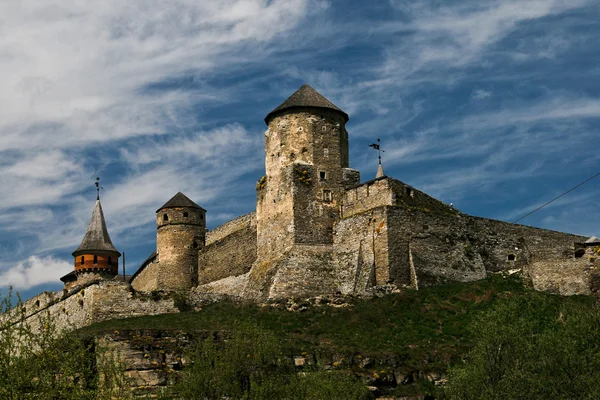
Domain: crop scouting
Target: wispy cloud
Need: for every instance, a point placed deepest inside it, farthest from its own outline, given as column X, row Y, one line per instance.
column 34, row 271
column 470, row 98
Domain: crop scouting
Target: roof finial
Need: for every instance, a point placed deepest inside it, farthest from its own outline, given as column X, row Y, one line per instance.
column 377, row 146
column 98, row 187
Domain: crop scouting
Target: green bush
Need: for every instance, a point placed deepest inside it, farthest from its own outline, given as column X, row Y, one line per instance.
column 250, row 364
column 539, row 347
column 39, row 362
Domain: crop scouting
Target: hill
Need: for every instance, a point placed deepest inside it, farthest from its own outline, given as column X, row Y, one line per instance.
column 403, row 343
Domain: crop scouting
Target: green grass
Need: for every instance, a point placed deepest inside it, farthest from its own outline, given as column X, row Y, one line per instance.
column 427, row 324
column 426, row 330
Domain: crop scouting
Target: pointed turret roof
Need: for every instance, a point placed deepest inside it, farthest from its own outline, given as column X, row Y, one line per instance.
column 380, row 173
column 305, row 97
column 180, row 200
column 96, row 238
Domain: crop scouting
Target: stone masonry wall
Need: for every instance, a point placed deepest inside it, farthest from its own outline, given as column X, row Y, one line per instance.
column 360, row 251
column 577, row 275
column 147, row 279
column 231, row 255
column 458, row 247
column 389, row 192
column 229, row 227
column 84, row 305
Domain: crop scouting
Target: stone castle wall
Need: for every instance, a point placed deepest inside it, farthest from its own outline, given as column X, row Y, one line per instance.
column 146, row 279
column 577, row 275
column 229, row 227
column 96, row 301
column 231, row 255
column 459, row 247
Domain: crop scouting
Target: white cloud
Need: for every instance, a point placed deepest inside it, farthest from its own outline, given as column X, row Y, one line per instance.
column 480, row 94
column 34, row 271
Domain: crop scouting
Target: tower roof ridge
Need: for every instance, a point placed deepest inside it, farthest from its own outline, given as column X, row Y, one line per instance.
column 180, row 200
column 96, row 237
column 306, row 96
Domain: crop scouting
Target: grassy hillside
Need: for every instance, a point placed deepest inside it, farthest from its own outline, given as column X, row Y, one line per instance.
column 414, row 332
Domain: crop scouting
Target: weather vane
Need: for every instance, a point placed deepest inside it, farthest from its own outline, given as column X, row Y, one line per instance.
column 98, row 187
column 377, row 146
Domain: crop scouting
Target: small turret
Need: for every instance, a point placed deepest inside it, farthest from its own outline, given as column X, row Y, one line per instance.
column 96, row 255
column 180, row 234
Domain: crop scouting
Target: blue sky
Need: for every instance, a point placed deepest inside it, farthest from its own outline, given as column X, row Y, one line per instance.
column 491, row 105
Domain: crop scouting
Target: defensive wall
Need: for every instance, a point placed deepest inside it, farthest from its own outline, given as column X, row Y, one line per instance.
column 230, row 251
column 392, row 233
column 83, row 305
column 229, row 227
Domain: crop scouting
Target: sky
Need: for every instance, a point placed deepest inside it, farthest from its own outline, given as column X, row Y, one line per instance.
column 493, row 106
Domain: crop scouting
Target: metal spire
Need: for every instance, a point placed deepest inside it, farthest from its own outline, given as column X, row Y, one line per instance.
column 98, row 187
column 377, row 146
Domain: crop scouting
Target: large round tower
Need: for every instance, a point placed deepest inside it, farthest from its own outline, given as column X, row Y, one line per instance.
column 306, row 146
column 180, row 233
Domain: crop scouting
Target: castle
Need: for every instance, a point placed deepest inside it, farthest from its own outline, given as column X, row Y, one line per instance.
column 317, row 230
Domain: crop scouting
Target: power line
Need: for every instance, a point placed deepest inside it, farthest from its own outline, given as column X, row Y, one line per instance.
column 556, row 198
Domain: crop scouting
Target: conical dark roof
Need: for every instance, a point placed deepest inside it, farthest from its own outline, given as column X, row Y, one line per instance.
column 180, row 200
column 305, row 97
column 96, row 238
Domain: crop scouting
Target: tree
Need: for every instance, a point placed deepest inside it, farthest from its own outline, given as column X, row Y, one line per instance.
column 250, row 364
column 39, row 362
column 536, row 347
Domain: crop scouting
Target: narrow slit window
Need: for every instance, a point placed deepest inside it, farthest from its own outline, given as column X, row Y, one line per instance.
column 81, row 261
column 165, row 217
column 109, row 261
column 95, row 259
column 327, row 197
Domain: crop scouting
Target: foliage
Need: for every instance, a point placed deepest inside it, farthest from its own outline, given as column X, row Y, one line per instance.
column 38, row 362
column 181, row 302
column 538, row 347
column 250, row 364
column 262, row 182
column 302, row 175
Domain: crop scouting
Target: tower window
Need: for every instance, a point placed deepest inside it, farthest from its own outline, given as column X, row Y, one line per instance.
column 410, row 192
column 327, row 197
column 81, row 261
column 165, row 217
column 95, row 259
column 185, row 214
column 511, row 257
column 322, row 175
column 201, row 217
column 109, row 261
column 579, row 253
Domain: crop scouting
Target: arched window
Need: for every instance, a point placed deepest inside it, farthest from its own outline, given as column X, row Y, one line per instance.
column 165, row 217
column 109, row 261
column 95, row 259
column 81, row 261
